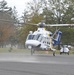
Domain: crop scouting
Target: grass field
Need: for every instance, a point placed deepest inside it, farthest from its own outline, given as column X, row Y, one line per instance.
column 15, row 50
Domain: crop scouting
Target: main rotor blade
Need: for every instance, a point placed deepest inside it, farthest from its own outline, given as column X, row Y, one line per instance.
column 41, row 23
column 27, row 23
column 54, row 25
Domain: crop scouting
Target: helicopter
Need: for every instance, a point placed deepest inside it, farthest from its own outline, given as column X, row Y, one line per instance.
column 44, row 40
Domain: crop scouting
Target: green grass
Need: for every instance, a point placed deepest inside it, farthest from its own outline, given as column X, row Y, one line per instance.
column 72, row 51
column 4, row 50
column 15, row 50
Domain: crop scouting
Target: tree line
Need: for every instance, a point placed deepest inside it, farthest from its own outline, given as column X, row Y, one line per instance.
column 7, row 27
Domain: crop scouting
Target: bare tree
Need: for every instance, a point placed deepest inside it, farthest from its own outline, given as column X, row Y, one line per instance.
column 6, row 23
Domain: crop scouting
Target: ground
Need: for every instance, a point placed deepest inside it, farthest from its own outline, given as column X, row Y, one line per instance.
column 38, row 64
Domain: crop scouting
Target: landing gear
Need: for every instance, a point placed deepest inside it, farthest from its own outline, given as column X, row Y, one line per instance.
column 64, row 52
column 53, row 50
column 53, row 53
column 32, row 51
column 68, row 53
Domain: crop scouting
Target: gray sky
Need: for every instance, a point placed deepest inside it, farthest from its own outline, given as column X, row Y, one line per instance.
column 19, row 4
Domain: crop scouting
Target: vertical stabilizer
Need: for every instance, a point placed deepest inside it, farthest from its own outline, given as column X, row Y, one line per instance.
column 57, row 38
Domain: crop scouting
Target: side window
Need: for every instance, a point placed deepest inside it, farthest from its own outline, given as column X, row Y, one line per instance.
column 48, row 40
column 41, row 38
column 38, row 36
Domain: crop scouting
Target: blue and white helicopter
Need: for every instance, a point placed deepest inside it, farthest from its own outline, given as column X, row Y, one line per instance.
column 43, row 39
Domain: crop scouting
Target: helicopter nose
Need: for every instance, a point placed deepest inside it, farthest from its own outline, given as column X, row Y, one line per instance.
column 32, row 43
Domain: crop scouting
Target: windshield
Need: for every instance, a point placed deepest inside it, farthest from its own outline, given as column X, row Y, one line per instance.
column 30, row 37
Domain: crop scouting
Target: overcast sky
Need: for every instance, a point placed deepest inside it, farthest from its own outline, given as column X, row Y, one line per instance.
column 19, row 4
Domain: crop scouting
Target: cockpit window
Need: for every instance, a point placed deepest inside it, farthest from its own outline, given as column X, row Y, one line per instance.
column 30, row 37
column 36, row 37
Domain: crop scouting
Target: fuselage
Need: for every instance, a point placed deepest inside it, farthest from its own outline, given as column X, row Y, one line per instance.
column 39, row 38
column 43, row 39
